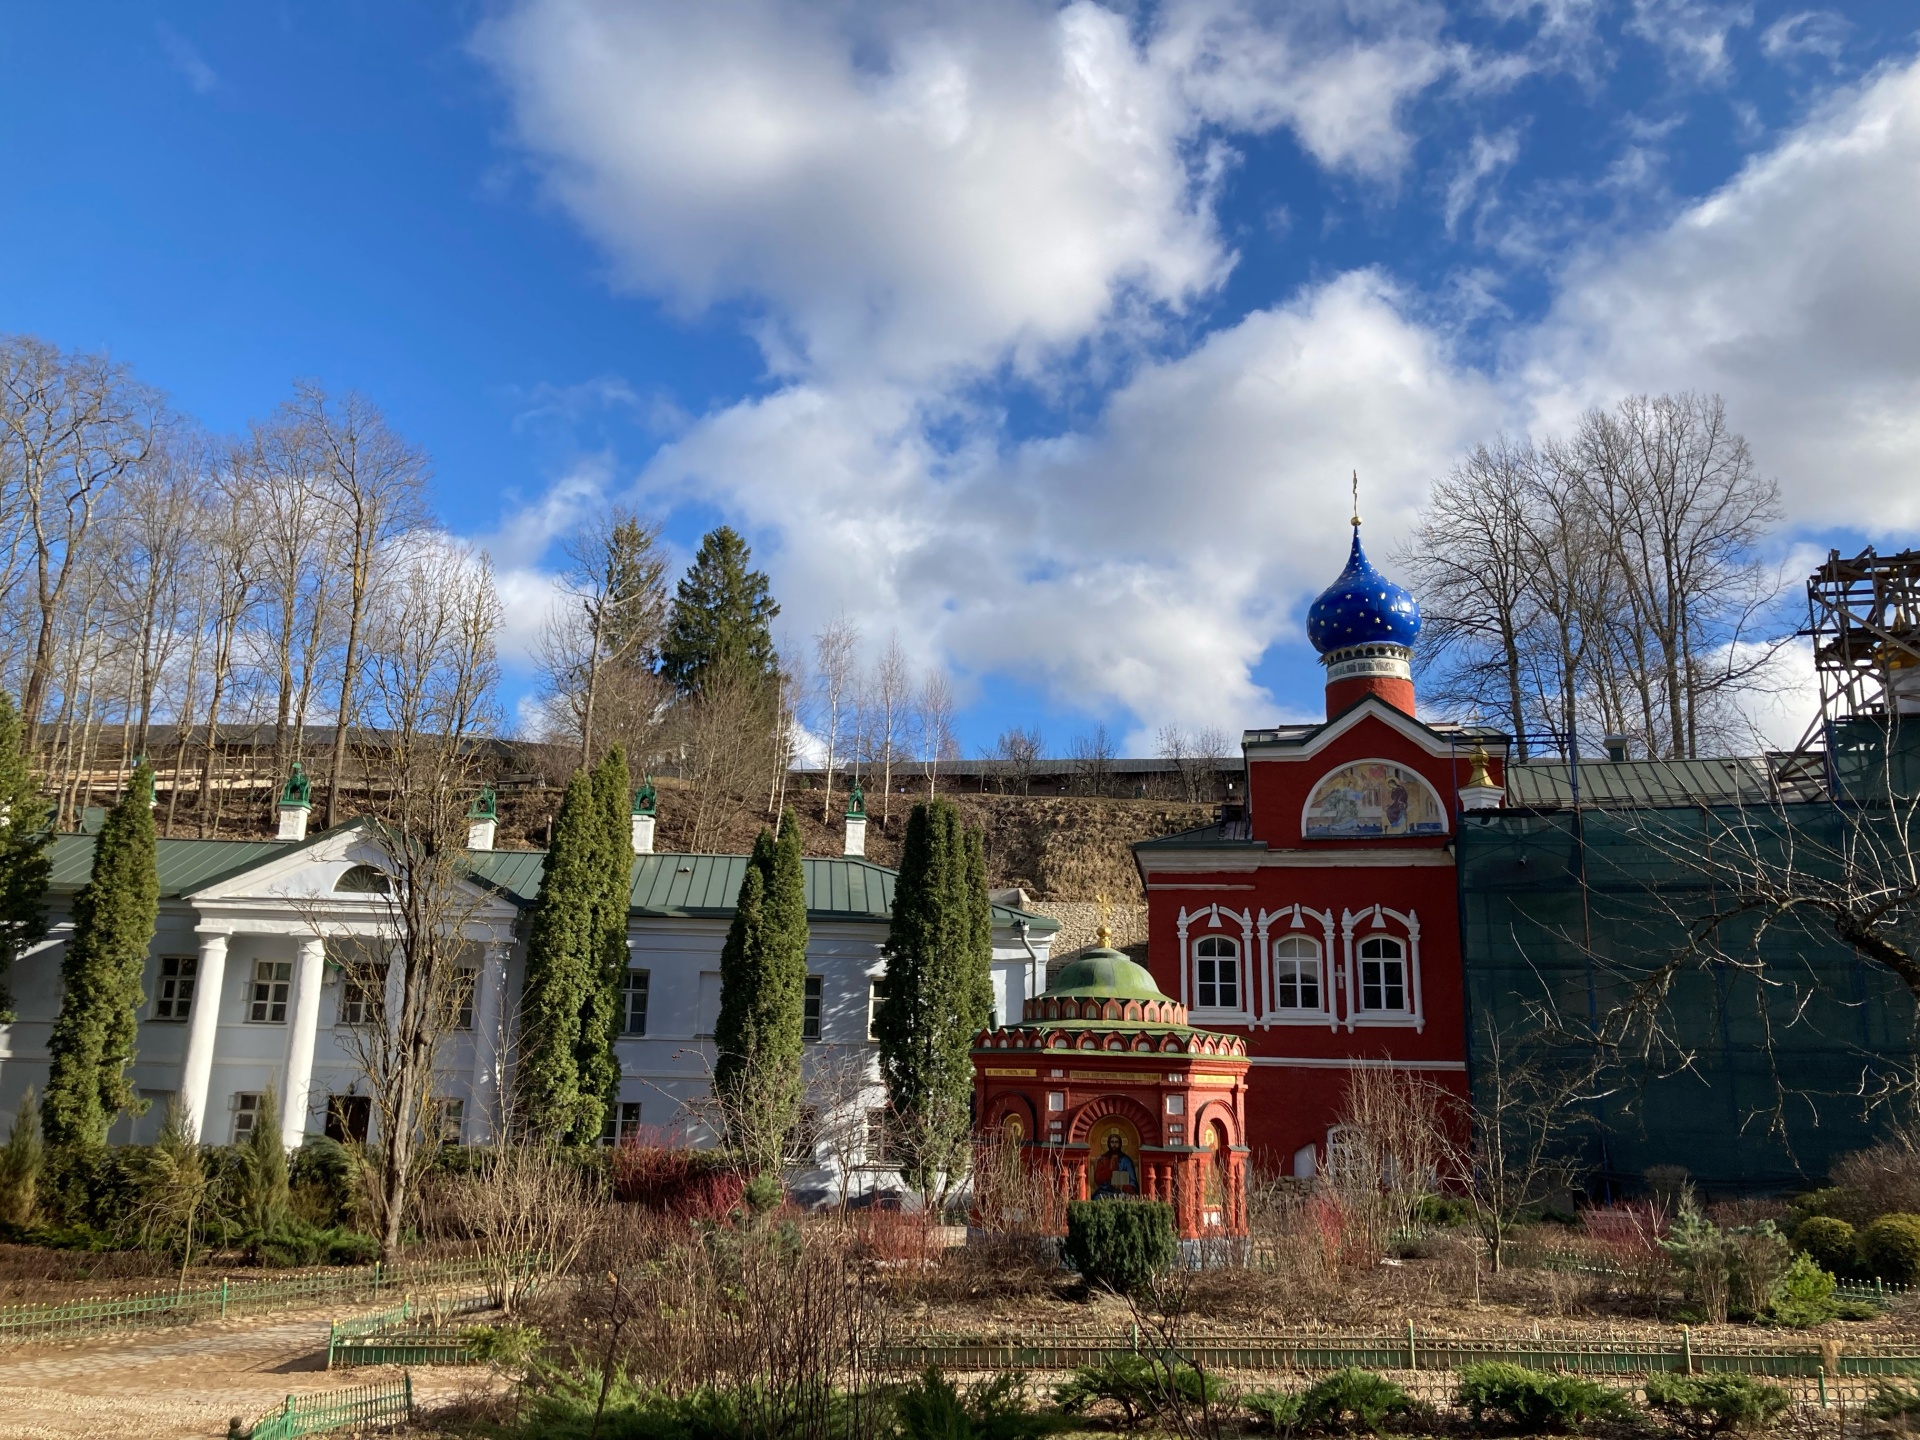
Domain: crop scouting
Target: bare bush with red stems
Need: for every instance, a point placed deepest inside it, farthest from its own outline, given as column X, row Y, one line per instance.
column 657, row 1170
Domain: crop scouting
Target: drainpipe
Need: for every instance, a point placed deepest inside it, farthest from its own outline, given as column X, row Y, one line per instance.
column 1034, row 988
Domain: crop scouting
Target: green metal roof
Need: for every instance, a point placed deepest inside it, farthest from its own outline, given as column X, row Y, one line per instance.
column 663, row 884
column 1230, row 832
column 704, row 886
column 184, row 865
column 1105, row 975
column 1652, row 784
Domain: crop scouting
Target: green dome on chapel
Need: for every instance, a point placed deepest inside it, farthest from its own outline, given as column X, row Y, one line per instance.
column 1107, row 975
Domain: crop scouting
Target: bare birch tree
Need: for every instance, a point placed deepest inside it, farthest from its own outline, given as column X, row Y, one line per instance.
column 889, row 694
column 835, row 677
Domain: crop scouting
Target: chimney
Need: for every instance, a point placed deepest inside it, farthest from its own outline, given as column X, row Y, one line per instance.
column 482, row 820
column 644, row 804
column 296, row 803
column 1616, row 748
column 856, row 824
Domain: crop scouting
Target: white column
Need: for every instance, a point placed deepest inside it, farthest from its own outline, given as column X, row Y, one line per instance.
column 489, row 1041
column 203, row 1023
column 303, row 1023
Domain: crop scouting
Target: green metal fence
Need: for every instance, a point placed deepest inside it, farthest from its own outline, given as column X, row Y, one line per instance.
column 1582, row 1263
column 233, row 1297
column 404, row 1335
column 1414, row 1352
column 359, row 1405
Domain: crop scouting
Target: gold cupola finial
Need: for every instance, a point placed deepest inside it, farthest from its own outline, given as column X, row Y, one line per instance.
column 1480, row 778
column 1356, row 499
column 1103, row 937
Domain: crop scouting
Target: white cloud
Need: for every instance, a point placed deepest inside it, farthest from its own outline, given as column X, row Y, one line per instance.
column 1792, row 291
column 186, row 60
column 1810, row 32
column 1693, row 33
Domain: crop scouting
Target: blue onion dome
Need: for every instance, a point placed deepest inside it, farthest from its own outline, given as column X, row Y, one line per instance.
column 1362, row 607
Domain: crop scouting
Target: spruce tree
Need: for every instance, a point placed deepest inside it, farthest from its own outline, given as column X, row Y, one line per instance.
column 113, row 920
column 939, row 994
column 763, row 980
column 563, row 950
column 722, row 618
column 598, row 1064
column 24, row 863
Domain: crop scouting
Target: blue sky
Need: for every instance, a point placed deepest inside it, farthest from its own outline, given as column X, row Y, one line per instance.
column 1044, row 336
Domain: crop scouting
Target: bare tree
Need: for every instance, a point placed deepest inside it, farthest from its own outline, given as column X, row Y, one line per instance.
column 374, row 483
column 1093, row 756
column 71, row 426
column 934, row 712
column 1020, row 749
column 431, row 676
column 1528, row 1104
column 835, row 677
column 1398, row 1141
column 607, row 629
column 889, row 693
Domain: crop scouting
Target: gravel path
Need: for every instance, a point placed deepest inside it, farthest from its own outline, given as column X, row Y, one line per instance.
column 184, row 1382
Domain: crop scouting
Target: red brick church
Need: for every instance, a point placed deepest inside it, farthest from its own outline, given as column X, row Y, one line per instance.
column 1321, row 925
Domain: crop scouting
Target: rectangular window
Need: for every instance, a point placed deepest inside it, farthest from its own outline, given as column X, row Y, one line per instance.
column 803, row 1141
column 810, row 1008
column 1296, row 973
column 880, row 1147
column 633, row 1002
column 460, row 1002
column 1217, row 974
column 272, row 982
column 876, row 992
column 174, row 998
column 246, row 1114
column 447, row 1120
column 1383, row 975
column 363, row 994
column 622, row 1125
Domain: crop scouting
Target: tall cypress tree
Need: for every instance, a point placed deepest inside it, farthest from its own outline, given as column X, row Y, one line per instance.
column 113, row 920
column 763, row 979
column 563, row 952
column 24, row 864
column 722, row 618
column 939, row 995
column 599, row 1066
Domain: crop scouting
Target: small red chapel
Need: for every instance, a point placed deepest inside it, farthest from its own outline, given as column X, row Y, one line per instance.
column 1103, row 1084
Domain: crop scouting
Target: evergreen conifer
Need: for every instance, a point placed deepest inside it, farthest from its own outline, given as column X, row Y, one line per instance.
column 563, row 951
column 113, row 920
column 763, row 979
column 24, row 864
column 722, row 616
column 939, row 994
column 598, row 1064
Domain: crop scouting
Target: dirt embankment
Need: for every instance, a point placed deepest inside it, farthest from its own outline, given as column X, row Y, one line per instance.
column 1057, row 849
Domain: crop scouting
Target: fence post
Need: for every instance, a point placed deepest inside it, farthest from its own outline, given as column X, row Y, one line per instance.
column 1823, row 1389
column 1686, row 1348
column 376, row 1279
column 1413, row 1356
column 223, row 1298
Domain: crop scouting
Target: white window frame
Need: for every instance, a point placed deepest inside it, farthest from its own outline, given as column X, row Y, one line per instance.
column 1196, row 925
column 1318, row 926
column 1211, row 950
column 167, row 988
column 267, row 974
column 247, row 1107
column 1383, row 922
column 363, row 992
column 813, row 992
column 628, row 989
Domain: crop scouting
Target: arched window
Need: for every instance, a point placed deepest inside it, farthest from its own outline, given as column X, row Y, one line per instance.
column 364, row 880
column 1296, row 973
column 1216, row 973
column 1383, row 973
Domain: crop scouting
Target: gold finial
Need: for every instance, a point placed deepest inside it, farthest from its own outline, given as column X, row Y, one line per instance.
column 1479, row 778
column 1356, row 499
column 1103, row 937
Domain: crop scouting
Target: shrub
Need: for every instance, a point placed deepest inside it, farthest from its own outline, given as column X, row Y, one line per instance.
column 1533, row 1400
column 1894, row 1402
column 1443, row 1210
column 21, row 1159
column 90, row 1187
column 1275, row 1410
column 1141, row 1386
column 1715, row 1404
column 1828, row 1242
column 1804, row 1295
column 693, row 1184
column 1121, row 1245
column 933, row 1408
column 1354, row 1399
column 324, row 1182
column 1891, row 1248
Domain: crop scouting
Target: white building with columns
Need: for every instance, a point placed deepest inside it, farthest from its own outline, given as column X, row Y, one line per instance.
column 246, row 987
